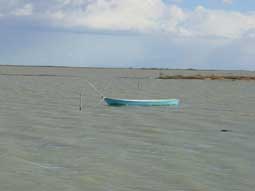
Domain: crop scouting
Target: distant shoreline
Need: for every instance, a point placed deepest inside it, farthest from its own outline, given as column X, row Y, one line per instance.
column 207, row 77
column 130, row 68
column 150, row 73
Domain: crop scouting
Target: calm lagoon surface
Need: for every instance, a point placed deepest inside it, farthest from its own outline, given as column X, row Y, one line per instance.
column 47, row 144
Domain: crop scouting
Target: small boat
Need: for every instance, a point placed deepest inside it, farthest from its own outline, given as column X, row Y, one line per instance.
column 130, row 102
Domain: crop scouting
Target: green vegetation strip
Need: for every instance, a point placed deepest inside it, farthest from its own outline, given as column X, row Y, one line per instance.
column 207, row 77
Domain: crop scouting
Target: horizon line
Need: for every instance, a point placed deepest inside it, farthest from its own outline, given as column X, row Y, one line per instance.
column 128, row 67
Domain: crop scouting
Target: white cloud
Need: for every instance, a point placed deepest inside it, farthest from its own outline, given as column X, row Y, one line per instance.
column 131, row 15
column 204, row 22
column 146, row 16
column 26, row 10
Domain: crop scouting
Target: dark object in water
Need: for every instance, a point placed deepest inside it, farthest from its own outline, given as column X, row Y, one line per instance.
column 225, row 130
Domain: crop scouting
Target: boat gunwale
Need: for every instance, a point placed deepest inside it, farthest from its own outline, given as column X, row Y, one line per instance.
column 142, row 100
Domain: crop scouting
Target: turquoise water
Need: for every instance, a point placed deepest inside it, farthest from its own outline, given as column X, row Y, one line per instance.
column 47, row 144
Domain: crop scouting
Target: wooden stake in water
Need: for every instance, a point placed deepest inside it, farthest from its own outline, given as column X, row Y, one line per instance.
column 81, row 102
column 139, row 84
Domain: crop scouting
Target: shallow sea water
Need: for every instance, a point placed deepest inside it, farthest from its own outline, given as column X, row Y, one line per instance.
column 47, row 144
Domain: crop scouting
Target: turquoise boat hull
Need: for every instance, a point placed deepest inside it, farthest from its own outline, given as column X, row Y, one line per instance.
column 128, row 102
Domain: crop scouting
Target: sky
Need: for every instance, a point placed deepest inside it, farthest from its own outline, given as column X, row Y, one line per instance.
column 200, row 34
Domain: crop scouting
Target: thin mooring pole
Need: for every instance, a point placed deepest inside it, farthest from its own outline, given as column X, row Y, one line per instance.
column 80, row 101
column 139, row 84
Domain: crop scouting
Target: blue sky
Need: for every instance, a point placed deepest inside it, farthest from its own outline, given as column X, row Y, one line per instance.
column 203, row 34
column 236, row 5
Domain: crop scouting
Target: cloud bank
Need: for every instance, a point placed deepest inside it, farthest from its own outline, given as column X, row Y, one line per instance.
column 142, row 16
